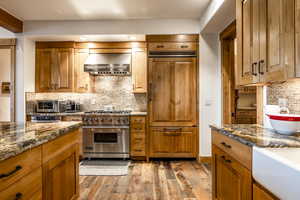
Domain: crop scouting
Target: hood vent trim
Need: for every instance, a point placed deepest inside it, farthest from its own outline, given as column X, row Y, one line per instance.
column 108, row 64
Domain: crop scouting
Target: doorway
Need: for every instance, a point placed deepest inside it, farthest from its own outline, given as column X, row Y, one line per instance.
column 7, row 80
column 239, row 103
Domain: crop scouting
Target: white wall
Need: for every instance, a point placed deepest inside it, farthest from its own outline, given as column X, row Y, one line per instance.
column 210, row 89
column 146, row 26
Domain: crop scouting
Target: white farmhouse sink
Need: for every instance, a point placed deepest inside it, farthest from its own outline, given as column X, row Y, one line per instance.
column 278, row 170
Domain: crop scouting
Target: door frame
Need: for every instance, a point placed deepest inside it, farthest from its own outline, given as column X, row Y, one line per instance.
column 11, row 44
column 226, row 36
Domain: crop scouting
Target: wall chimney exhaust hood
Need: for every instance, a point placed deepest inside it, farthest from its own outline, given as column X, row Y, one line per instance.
column 108, row 64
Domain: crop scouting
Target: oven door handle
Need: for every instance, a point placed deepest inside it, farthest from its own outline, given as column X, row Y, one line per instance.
column 107, row 127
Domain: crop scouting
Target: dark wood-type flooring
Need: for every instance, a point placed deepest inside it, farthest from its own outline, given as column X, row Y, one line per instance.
column 157, row 180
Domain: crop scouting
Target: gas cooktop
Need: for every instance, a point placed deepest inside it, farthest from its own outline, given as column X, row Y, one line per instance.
column 119, row 112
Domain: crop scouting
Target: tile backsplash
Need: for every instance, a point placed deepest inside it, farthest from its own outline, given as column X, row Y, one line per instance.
column 109, row 90
column 289, row 90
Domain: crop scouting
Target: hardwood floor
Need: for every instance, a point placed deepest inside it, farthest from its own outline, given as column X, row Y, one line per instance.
column 157, row 180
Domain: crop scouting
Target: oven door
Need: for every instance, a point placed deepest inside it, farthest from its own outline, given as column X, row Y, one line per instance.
column 106, row 142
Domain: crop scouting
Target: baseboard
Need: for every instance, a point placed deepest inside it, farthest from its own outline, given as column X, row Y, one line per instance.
column 204, row 159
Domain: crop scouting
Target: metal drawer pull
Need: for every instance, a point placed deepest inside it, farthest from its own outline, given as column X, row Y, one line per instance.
column 226, row 145
column 19, row 195
column 253, row 72
column 184, row 46
column 260, row 63
column 160, row 46
column 226, row 160
column 18, row 167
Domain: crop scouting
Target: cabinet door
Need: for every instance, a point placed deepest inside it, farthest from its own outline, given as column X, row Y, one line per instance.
column 230, row 179
column 82, row 79
column 139, row 70
column 172, row 97
column 173, row 142
column 260, row 194
column 280, row 40
column 246, row 69
column 63, row 75
column 62, row 169
column 44, row 62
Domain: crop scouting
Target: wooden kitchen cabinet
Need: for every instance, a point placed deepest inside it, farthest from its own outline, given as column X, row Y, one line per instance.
column 82, row 79
column 173, row 93
column 60, row 165
column 138, row 136
column 231, row 180
column 260, row 193
column 139, row 70
column 54, row 70
column 170, row 142
column 265, row 40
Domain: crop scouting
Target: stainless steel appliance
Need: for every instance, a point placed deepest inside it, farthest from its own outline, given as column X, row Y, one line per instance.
column 106, row 134
column 108, row 64
column 45, row 118
column 71, row 106
column 48, row 106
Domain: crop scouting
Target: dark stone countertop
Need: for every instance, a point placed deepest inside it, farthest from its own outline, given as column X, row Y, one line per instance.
column 256, row 135
column 133, row 113
column 16, row 138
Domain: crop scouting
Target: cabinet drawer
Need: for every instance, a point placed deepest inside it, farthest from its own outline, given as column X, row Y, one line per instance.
column 137, row 120
column 71, row 118
column 137, row 127
column 174, row 46
column 29, row 187
column 235, row 149
column 19, row 166
column 59, row 145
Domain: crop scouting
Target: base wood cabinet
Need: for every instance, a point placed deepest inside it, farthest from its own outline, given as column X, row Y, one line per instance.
column 259, row 193
column 138, row 136
column 232, row 171
column 169, row 142
column 49, row 171
column 265, row 41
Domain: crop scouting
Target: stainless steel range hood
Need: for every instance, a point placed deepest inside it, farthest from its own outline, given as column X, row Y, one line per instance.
column 108, row 64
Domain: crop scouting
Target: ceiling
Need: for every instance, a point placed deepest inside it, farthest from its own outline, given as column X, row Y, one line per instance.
column 87, row 38
column 104, row 9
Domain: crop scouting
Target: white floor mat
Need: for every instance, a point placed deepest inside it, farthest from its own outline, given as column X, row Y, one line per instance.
column 103, row 168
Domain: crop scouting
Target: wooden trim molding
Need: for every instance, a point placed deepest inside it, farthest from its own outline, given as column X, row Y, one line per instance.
column 260, row 105
column 109, row 45
column 173, row 38
column 229, row 31
column 10, row 22
column 8, row 42
column 204, row 159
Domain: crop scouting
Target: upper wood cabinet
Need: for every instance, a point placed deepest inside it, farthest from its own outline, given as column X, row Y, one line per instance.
column 172, row 95
column 55, row 70
column 82, row 79
column 139, row 70
column 265, row 41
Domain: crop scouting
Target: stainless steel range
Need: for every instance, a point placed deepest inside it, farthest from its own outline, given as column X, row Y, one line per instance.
column 106, row 134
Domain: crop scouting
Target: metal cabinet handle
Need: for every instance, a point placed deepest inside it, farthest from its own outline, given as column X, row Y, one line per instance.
column 160, row 46
column 18, row 196
column 184, row 46
column 226, row 145
column 18, row 168
column 226, row 160
column 260, row 63
column 150, row 92
column 252, row 69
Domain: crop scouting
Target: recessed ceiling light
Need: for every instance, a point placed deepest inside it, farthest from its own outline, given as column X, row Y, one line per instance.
column 82, row 38
column 132, row 37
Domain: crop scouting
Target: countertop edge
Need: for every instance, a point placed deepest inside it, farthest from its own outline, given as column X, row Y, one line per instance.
column 52, row 136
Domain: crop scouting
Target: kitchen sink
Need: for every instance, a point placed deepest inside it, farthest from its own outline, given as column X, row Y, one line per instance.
column 278, row 170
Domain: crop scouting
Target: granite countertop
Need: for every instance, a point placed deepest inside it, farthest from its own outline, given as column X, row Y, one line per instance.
column 16, row 138
column 256, row 135
column 57, row 114
column 133, row 113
